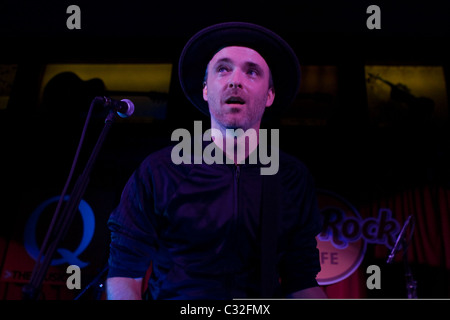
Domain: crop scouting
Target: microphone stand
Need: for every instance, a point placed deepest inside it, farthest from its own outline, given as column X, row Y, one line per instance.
column 411, row 284
column 61, row 222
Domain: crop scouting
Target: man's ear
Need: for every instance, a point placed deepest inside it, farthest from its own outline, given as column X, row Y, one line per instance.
column 205, row 91
column 270, row 97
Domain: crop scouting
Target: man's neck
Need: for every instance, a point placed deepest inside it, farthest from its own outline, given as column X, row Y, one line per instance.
column 236, row 144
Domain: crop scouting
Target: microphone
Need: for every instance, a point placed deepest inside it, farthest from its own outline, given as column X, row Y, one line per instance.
column 124, row 107
column 396, row 247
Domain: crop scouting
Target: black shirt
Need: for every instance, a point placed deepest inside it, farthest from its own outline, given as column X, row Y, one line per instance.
column 199, row 227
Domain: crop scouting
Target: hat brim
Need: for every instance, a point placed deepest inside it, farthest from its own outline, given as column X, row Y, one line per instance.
column 279, row 56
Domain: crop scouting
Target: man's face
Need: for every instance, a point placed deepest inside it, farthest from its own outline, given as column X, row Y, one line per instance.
column 237, row 88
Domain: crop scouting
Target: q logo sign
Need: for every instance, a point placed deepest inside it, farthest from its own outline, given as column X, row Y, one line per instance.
column 67, row 256
column 344, row 237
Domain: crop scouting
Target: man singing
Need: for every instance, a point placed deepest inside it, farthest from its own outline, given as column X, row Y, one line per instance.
column 222, row 230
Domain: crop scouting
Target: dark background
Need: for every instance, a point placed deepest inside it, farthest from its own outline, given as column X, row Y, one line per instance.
column 348, row 155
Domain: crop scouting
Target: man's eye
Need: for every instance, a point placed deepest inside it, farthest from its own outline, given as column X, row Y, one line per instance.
column 252, row 72
column 222, row 69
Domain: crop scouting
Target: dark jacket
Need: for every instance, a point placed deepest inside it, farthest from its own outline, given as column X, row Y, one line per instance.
column 199, row 226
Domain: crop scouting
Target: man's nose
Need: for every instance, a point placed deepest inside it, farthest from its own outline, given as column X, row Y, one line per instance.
column 235, row 80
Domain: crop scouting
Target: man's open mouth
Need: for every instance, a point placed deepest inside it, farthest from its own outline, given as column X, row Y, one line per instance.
column 235, row 100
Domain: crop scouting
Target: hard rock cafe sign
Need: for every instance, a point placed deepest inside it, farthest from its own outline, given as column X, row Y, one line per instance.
column 345, row 235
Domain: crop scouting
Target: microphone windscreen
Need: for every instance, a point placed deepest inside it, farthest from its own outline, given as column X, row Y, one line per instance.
column 130, row 109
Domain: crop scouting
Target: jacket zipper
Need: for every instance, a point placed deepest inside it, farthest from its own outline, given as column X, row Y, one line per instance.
column 235, row 223
column 237, row 173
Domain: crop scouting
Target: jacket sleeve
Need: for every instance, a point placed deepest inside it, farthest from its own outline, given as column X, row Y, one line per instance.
column 133, row 228
column 299, row 261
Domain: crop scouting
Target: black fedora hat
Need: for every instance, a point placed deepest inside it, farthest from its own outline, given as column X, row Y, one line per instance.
column 279, row 56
